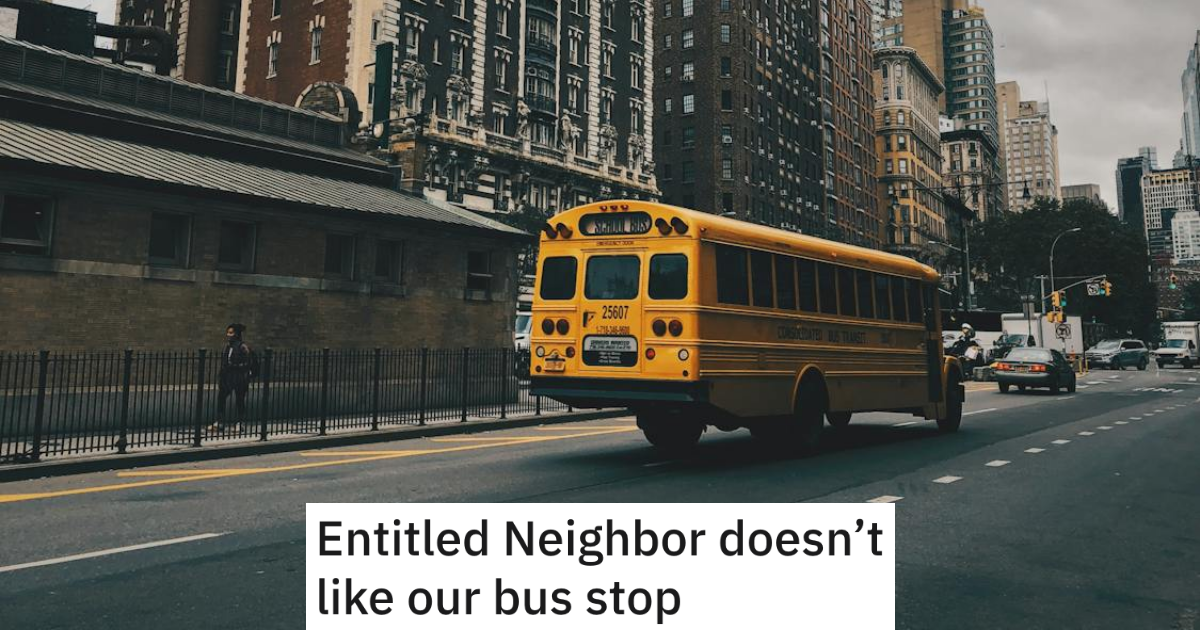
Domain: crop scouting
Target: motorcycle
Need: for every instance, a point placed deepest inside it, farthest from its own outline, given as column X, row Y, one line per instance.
column 970, row 355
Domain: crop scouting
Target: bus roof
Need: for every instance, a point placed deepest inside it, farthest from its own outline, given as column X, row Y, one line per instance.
column 711, row 227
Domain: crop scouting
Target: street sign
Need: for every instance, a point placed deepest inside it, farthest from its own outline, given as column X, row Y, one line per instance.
column 1093, row 289
column 1062, row 331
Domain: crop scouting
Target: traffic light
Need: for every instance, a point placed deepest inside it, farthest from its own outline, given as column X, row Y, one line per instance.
column 1174, row 282
column 1106, row 289
column 1058, row 299
column 1056, row 317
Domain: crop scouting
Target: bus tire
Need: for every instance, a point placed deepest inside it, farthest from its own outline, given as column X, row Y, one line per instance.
column 808, row 418
column 670, row 434
column 838, row 419
column 954, row 406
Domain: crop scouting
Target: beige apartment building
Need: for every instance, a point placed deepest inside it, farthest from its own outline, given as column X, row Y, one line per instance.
column 1030, row 144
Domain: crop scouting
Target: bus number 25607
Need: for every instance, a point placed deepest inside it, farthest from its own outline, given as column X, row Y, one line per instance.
column 615, row 312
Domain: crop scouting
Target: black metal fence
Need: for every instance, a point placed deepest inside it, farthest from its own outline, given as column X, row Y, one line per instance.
column 58, row 404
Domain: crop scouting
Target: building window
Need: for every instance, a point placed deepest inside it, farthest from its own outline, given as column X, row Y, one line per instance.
column 24, row 224
column 689, row 103
column 169, row 238
column 635, row 72
column 726, row 33
column 225, row 71
column 666, row 11
column 725, row 6
column 412, row 41
column 688, row 38
column 667, row 105
column 726, row 168
column 456, row 57
column 726, row 67
column 606, row 61
column 229, row 19
column 339, row 255
column 688, row 72
column 460, row 9
column 316, row 45
column 726, row 100
column 501, row 73
column 689, row 137
column 374, row 31
column 688, row 172
column 606, row 18
column 666, row 73
column 272, row 59
column 235, row 251
column 389, row 261
column 667, row 41
column 276, row 8
column 687, row 8
column 479, row 272
column 637, row 27
column 501, row 20
column 437, row 51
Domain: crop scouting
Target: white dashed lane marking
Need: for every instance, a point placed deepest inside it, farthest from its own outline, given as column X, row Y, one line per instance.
column 887, row 498
column 908, row 424
column 1061, row 442
column 1105, row 428
column 979, row 411
column 947, row 479
column 1086, row 433
column 1035, row 451
column 996, row 463
column 1135, row 417
column 1120, row 422
column 1081, row 386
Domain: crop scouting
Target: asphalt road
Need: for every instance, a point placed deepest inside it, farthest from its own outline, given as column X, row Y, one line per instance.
column 1071, row 511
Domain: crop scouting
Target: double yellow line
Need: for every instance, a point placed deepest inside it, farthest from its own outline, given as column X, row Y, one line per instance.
column 326, row 459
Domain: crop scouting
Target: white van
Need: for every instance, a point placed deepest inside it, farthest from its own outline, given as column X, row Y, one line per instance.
column 1181, row 345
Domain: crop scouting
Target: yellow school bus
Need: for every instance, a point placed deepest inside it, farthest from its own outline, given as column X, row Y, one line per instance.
column 693, row 320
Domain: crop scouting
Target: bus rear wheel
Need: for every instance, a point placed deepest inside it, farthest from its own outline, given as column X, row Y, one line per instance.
column 671, row 434
column 954, row 405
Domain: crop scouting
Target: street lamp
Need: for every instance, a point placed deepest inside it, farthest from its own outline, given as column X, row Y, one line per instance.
column 1052, row 246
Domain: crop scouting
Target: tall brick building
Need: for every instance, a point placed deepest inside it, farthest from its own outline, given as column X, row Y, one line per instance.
column 853, row 209
column 206, row 36
column 736, row 90
column 146, row 212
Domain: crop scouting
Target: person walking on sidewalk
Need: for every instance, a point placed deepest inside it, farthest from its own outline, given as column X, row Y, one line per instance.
column 237, row 368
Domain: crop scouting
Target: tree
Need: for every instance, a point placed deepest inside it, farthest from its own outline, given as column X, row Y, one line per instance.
column 1191, row 301
column 1008, row 251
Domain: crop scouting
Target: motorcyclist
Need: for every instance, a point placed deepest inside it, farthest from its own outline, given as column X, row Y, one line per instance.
column 968, row 350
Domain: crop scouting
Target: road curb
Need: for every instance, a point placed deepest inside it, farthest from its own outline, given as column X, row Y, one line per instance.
column 81, row 465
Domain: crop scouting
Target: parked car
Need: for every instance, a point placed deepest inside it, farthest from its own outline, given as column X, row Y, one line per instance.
column 1118, row 354
column 1034, row 367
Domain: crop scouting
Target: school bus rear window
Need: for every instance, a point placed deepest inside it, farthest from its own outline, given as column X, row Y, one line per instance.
column 558, row 278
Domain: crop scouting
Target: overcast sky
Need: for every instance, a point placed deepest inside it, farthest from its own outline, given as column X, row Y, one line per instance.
column 1112, row 66
column 1113, row 69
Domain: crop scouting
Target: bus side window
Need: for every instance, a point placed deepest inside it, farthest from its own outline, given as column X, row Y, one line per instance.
column 785, row 282
column 846, row 292
column 916, row 314
column 762, row 283
column 899, row 312
column 806, row 275
column 668, row 277
column 865, row 306
column 883, row 305
column 732, row 276
column 929, row 292
column 827, row 283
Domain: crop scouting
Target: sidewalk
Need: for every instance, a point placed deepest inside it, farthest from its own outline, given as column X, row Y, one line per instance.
column 247, row 443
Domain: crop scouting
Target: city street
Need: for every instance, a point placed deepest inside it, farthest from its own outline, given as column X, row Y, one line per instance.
column 1044, row 511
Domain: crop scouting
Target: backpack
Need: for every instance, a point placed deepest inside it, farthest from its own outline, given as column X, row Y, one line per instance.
column 253, row 369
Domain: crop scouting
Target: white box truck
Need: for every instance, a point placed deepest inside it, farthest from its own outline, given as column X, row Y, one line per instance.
column 1066, row 337
column 1181, row 345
